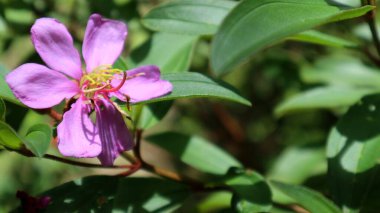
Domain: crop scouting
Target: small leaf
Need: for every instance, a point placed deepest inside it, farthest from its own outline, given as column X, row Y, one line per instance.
column 353, row 153
column 196, row 85
column 315, row 37
column 9, row 137
column 108, row 194
column 178, row 50
column 2, row 110
column 323, row 98
column 251, row 193
column 253, row 25
column 198, row 17
column 38, row 139
column 195, row 151
column 309, row 199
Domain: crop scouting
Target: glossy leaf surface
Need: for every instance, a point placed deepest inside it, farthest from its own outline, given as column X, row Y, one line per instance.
column 170, row 52
column 199, row 17
column 247, row 29
column 196, row 85
column 309, row 199
column 196, row 152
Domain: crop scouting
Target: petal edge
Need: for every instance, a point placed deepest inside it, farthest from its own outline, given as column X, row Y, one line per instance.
column 103, row 41
column 147, row 85
column 113, row 132
column 39, row 87
column 77, row 135
column 55, row 46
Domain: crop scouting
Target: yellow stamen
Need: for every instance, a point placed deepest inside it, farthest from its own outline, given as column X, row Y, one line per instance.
column 100, row 78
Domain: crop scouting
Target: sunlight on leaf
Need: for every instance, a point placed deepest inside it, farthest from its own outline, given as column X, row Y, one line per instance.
column 247, row 30
column 196, row 152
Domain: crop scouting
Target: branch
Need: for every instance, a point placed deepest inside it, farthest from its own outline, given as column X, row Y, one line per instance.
column 28, row 153
column 371, row 20
column 160, row 171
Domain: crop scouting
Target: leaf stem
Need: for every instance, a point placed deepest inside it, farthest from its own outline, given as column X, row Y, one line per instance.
column 160, row 171
column 147, row 166
column 52, row 113
column 28, row 153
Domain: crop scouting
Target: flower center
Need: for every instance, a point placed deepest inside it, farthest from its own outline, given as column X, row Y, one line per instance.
column 99, row 81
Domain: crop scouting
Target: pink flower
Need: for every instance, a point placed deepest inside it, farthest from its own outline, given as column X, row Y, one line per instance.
column 39, row 87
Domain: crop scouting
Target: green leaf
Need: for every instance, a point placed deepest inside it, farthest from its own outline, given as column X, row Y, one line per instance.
column 38, row 139
column 30, row 119
column 120, row 64
column 315, row 37
column 254, row 25
column 170, row 52
column 322, row 98
column 213, row 202
column 251, row 193
column 196, row 85
column 8, row 137
column 353, row 155
column 2, row 110
column 195, row 151
column 177, row 58
column 12, row 56
column 152, row 113
column 5, row 91
column 199, row 17
column 109, row 194
column 341, row 70
column 309, row 199
column 297, row 163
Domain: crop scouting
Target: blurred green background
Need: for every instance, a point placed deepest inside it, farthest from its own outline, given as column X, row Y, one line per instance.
column 290, row 148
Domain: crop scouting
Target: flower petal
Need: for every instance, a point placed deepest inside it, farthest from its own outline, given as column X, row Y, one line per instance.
column 55, row 45
column 103, row 41
column 40, row 87
column 77, row 135
column 146, row 85
column 113, row 132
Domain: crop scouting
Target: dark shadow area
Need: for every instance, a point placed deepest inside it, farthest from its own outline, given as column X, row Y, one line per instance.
column 110, row 9
column 14, row 114
column 257, row 193
column 350, row 189
column 106, row 194
column 178, row 144
column 357, row 142
column 142, row 51
column 250, row 191
column 362, row 121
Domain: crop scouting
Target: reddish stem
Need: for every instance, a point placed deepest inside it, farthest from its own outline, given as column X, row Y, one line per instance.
column 118, row 86
column 55, row 115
